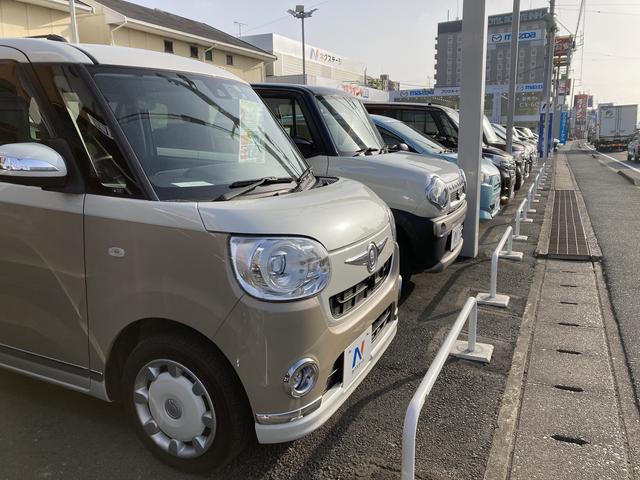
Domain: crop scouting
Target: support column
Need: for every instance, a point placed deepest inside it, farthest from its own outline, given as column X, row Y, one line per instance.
column 474, row 54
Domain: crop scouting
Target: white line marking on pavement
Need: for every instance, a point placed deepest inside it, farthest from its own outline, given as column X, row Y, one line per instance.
column 614, row 159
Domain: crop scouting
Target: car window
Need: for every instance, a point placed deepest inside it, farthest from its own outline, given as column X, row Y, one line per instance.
column 349, row 124
column 105, row 168
column 290, row 115
column 421, row 120
column 389, row 138
column 20, row 116
column 449, row 129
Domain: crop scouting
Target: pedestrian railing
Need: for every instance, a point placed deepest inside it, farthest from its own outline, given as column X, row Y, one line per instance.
column 529, row 199
column 493, row 298
column 470, row 350
column 521, row 209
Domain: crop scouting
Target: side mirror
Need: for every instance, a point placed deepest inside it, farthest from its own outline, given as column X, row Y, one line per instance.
column 31, row 164
column 304, row 145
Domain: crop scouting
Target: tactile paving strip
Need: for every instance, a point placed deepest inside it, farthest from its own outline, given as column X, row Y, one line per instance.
column 567, row 239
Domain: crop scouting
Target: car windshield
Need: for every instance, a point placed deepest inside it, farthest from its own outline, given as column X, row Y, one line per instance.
column 489, row 131
column 415, row 137
column 350, row 127
column 195, row 135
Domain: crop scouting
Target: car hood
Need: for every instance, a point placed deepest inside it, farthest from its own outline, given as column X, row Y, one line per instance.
column 428, row 164
column 486, row 166
column 336, row 215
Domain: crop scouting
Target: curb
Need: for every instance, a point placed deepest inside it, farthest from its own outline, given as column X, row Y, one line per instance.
column 631, row 178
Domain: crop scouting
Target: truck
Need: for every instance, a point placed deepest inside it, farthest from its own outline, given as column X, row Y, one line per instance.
column 616, row 124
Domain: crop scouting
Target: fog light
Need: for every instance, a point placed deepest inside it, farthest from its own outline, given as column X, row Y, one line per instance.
column 301, row 378
column 443, row 229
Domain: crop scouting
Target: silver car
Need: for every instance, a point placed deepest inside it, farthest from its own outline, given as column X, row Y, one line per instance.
column 164, row 244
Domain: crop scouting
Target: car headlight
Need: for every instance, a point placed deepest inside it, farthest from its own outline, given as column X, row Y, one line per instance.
column 392, row 222
column 484, row 178
column 463, row 177
column 437, row 192
column 280, row 268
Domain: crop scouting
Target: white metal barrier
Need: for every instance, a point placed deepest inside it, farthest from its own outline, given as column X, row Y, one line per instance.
column 493, row 298
column 470, row 350
column 530, row 195
column 522, row 208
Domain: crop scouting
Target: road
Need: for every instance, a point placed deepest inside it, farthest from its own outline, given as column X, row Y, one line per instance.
column 613, row 203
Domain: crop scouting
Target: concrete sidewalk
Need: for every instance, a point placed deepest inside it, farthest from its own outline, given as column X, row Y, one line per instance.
column 569, row 413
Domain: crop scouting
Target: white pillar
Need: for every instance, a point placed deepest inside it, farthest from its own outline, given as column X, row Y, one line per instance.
column 513, row 72
column 474, row 50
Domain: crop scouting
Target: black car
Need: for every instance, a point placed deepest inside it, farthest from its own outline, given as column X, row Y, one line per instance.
column 441, row 124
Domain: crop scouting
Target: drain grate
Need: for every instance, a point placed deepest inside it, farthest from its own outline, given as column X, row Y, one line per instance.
column 567, row 238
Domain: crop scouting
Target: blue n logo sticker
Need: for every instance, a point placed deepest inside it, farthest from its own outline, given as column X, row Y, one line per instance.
column 357, row 355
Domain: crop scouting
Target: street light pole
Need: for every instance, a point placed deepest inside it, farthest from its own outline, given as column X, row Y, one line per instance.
column 551, row 38
column 513, row 72
column 301, row 14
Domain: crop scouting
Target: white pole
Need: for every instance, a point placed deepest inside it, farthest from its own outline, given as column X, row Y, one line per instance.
column 474, row 48
column 74, row 24
column 513, row 72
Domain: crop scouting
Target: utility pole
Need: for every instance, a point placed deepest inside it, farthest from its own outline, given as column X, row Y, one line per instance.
column 240, row 25
column 513, row 72
column 301, row 14
column 74, row 23
column 551, row 39
column 474, row 56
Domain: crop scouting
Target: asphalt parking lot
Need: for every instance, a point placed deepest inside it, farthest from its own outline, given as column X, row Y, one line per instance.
column 49, row 432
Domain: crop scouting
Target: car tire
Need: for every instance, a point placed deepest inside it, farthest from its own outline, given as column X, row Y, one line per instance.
column 186, row 381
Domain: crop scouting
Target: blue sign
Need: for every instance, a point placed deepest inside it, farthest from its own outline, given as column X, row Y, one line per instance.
column 541, row 134
column 564, row 123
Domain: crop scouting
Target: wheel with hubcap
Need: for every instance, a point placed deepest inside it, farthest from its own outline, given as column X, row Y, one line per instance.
column 186, row 403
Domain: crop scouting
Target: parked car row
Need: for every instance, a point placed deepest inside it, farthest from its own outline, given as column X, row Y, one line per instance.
column 226, row 261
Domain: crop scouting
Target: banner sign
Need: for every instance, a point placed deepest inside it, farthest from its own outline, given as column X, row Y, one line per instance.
column 497, row 38
column 564, row 124
column 580, row 103
column 563, row 45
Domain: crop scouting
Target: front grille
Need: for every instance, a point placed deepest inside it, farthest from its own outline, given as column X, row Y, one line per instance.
column 456, row 191
column 380, row 323
column 348, row 299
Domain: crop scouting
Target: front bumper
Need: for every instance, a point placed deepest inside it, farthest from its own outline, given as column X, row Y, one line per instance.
column 263, row 339
column 431, row 250
column 507, row 184
column 324, row 407
column 489, row 201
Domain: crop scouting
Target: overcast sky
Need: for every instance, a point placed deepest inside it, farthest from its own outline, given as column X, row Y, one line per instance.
column 397, row 37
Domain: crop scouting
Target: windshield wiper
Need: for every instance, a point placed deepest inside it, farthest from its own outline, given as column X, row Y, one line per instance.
column 366, row 151
column 246, row 186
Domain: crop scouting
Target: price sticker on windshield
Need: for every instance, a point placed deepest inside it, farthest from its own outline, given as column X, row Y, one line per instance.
column 252, row 148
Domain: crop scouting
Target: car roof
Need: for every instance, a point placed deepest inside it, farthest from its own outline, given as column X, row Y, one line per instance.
column 40, row 50
column 383, row 118
column 409, row 104
column 313, row 89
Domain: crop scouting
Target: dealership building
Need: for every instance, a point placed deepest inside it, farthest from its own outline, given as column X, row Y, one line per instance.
column 323, row 67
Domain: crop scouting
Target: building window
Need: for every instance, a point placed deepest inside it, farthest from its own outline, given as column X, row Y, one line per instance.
column 194, row 51
column 208, row 55
column 168, row 46
column 229, row 59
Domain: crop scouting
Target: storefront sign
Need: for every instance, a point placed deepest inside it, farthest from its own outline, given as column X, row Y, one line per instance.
column 322, row 56
column 563, row 45
column 497, row 38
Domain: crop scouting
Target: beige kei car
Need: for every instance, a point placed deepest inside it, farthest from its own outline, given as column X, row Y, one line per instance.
column 164, row 244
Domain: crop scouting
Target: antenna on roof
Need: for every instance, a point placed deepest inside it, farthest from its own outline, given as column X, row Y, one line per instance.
column 240, row 25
